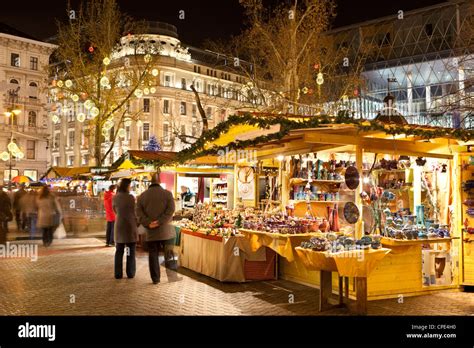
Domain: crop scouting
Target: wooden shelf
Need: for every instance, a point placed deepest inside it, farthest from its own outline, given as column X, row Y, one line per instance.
column 297, row 181
column 297, row 201
column 400, row 242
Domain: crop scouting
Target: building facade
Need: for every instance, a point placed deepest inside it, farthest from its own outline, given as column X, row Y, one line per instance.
column 424, row 58
column 23, row 87
column 168, row 110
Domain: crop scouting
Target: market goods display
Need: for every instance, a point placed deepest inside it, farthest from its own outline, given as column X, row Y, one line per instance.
column 333, row 243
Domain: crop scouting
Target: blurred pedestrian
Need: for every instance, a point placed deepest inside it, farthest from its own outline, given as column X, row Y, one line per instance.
column 17, row 196
column 125, row 229
column 5, row 215
column 29, row 209
column 49, row 214
column 109, row 215
column 155, row 209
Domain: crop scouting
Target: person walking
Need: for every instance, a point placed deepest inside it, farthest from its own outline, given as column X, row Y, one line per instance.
column 155, row 209
column 17, row 196
column 5, row 214
column 109, row 215
column 49, row 214
column 123, row 205
column 29, row 210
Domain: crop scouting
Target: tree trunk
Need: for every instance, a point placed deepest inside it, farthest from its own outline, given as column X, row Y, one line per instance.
column 205, row 124
column 98, row 145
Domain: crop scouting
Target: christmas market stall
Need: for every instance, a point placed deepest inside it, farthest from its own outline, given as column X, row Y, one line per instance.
column 380, row 198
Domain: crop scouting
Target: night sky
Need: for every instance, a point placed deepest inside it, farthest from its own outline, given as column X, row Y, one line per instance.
column 205, row 19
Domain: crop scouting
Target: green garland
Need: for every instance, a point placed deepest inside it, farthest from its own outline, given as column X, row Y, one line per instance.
column 198, row 149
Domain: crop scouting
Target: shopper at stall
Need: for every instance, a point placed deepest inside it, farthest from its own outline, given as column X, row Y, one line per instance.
column 17, row 208
column 49, row 214
column 187, row 198
column 5, row 215
column 109, row 215
column 123, row 205
column 155, row 209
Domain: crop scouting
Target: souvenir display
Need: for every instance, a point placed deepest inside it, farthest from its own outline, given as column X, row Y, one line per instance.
column 352, row 177
column 351, row 212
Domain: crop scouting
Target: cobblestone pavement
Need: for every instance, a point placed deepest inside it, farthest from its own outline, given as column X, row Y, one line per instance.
column 82, row 269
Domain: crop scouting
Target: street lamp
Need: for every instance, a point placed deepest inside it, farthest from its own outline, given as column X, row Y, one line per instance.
column 12, row 148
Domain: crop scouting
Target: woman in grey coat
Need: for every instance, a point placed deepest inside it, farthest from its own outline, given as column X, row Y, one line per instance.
column 125, row 231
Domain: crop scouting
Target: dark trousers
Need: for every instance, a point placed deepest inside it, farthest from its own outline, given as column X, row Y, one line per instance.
column 131, row 263
column 19, row 220
column 109, row 235
column 153, row 259
column 48, row 235
column 3, row 232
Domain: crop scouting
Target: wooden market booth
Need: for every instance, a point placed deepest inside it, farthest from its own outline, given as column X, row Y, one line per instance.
column 400, row 272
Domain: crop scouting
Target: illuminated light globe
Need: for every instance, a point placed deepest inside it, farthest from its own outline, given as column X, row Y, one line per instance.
column 55, row 118
column 138, row 93
column 154, row 72
column 106, row 61
column 88, row 104
column 81, row 117
column 12, row 147
column 121, row 133
column 320, row 79
column 127, row 122
column 75, row 98
column 152, row 90
column 60, row 83
column 139, row 123
column 104, row 81
column 108, row 125
column 5, row 156
column 94, row 112
column 147, row 58
column 68, row 83
column 105, row 132
column 146, row 91
column 20, row 155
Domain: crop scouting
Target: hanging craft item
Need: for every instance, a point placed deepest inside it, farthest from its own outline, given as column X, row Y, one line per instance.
column 335, row 217
column 351, row 212
column 352, row 177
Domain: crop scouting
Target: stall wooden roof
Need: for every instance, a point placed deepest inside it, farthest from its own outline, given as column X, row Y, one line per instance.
column 345, row 137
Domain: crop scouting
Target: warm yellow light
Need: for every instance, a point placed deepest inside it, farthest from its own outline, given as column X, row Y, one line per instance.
column 8, row 113
column 280, row 158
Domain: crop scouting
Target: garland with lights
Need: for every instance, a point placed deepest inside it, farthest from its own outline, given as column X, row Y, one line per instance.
column 202, row 146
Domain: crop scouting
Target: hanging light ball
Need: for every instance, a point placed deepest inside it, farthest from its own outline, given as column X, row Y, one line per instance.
column 60, row 84
column 104, row 81
column 320, row 79
column 75, row 98
column 146, row 91
column 138, row 93
column 106, row 61
column 88, row 104
column 68, row 83
column 121, row 133
column 94, row 112
column 105, row 132
column 55, row 119
column 139, row 123
column 147, row 58
column 81, row 117
column 12, row 147
column 4, row 156
column 108, row 124
column 154, row 72
column 127, row 122
column 152, row 90
column 20, row 155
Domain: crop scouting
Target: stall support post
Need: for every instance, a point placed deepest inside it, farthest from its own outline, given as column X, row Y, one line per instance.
column 285, row 185
column 457, row 225
column 416, row 186
column 359, row 227
column 236, row 187
column 257, row 185
column 175, row 189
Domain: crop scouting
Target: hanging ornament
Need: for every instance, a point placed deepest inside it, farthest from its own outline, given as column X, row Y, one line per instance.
column 356, row 92
column 147, row 58
column 75, row 98
column 138, row 93
column 88, row 104
column 12, row 147
column 154, row 72
column 320, row 79
column 122, row 133
column 94, row 112
column 305, row 90
column 91, row 49
column 68, row 83
column 316, row 66
column 127, row 122
column 60, row 84
column 19, row 155
column 139, row 123
column 105, row 132
column 106, row 61
column 146, row 91
column 152, row 90
column 81, row 117
column 104, row 81
column 5, row 156
column 108, row 124
column 83, row 95
column 55, row 119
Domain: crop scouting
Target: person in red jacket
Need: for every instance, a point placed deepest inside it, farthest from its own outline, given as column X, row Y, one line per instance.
column 109, row 215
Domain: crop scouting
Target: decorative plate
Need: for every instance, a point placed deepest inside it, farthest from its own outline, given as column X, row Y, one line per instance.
column 351, row 212
column 352, row 177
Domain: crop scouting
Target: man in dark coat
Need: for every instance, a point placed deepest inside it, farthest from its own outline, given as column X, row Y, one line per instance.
column 5, row 214
column 155, row 209
column 17, row 196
